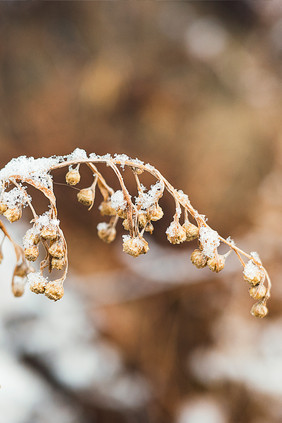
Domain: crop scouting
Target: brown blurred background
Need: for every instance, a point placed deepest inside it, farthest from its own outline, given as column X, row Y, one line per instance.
column 194, row 88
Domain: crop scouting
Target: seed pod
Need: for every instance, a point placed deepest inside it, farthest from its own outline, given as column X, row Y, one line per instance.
column 192, row 231
column 155, row 213
column 13, row 214
column 57, row 250
column 253, row 274
column 137, row 170
column 37, row 287
column 149, row 228
column 3, row 208
column 57, row 264
column 259, row 310
column 125, row 224
column 54, row 290
column 21, row 270
column 86, row 197
column 198, row 259
column 142, row 219
column 257, row 292
column 135, row 246
column 106, row 209
column 216, row 263
column 106, row 232
column 175, row 233
column 31, row 253
column 73, row 177
column 49, row 232
column 121, row 213
column 18, row 285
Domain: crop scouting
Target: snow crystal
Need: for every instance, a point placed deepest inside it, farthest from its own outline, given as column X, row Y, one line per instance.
column 118, row 201
column 28, row 239
column 183, row 197
column 150, row 167
column 35, row 278
column 251, row 270
column 149, row 198
column 93, row 156
column 172, row 229
column 15, row 197
column 209, row 240
column 137, row 161
column 231, row 241
column 102, row 226
column 256, row 257
column 45, row 220
column 122, row 158
column 77, row 154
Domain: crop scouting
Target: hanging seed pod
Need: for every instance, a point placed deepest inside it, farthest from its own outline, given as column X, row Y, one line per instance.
column 253, row 274
column 21, row 270
column 216, row 263
column 3, row 208
column 31, row 253
column 125, row 224
column 198, row 259
column 135, row 246
column 49, row 232
column 57, row 263
column 57, row 250
column 149, row 228
column 142, row 220
column 175, row 233
column 259, row 310
column 106, row 232
column 38, row 287
column 18, row 285
column 86, row 197
column 73, row 177
column 13, row 214
column 155, row 213
column 192, row 231
column 54, row 290
column 257, row 292
column 106, row 209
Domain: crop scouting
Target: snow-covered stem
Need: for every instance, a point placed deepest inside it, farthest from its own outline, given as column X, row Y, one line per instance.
column 137, row 215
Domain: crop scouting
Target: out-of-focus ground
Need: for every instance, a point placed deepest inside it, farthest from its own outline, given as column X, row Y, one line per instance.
column 194, row 88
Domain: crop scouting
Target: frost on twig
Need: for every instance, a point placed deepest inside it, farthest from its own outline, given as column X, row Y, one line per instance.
column 138, row 215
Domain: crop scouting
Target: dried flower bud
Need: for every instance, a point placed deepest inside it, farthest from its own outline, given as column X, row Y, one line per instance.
column 37, row 287
column 54, row 290
column 31, row 253
column 49, row 232
column 135, row 246
column 106, row 232
column 216, row 263
column 155, row 213
column 73, row 177
column 142, row 219
column 13, row 214
column 86, row 196
column 149, row 228
column 57, row 263
column 253, row 274
column 121, row 213
column 21, row 269
column 18, row 285
column 192, row 231
column 258, row 292
column 125, row 224
column 3, row 208
column 175, row 233
column 259, row 310
column 57, row 250
column 198, row 259
column 106, row 209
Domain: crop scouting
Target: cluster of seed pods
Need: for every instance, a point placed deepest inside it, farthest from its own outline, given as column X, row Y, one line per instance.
column 138, row 216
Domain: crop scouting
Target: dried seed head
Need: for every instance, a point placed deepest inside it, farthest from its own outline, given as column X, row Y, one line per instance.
column 13, row 214
column 121, row 213
column 135, row 246
column 106, row 209
column 86, row 196
column 142, row 219
column 37, row 287
column 57, row 250
column 31, row 253
column 21, row 270
column 57, row 263
column 192, row 231
column 175, row 233
column 155, row 213
column 259, row 310
column 125, row 224
column 3, row 208
column 54, row 290
column 149, row 228
column 253, row 274
column 73, row 177
column 106, row 232
column 258, row 292
column 216, row 263
column 49, row 232
column 18, row 285
column 198, row 259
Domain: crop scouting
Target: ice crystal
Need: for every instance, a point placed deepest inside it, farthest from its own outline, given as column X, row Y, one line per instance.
column 118, row 201
column 209, row 240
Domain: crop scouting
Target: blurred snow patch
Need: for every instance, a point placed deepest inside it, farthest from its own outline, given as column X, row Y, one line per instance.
column 201, row 410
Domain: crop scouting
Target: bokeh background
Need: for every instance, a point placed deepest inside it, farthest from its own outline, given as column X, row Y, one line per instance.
column 194, row 88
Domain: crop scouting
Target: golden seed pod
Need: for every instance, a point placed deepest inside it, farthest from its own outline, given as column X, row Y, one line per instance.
column 18, row 285
column 216, row 264
column 255, row 279
column 149, row 228
column 31, row 253
column 106, row 209
column 176, row 234
column 57, row 250
column 37, row 287
column 198, row 259
column 13, row 214
column 125, row 224
column 142, row 219
column 86, row 196
column 54, row 291
column 3, row 208
column 155, row 213
column 121, row 213
column 107, row 233
column 259, row 310
column 192, row 231
column 21, row 270
column 57, row 263
column 135, row 246
column 73, row 177
column 258, row 292
column 49, row 233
